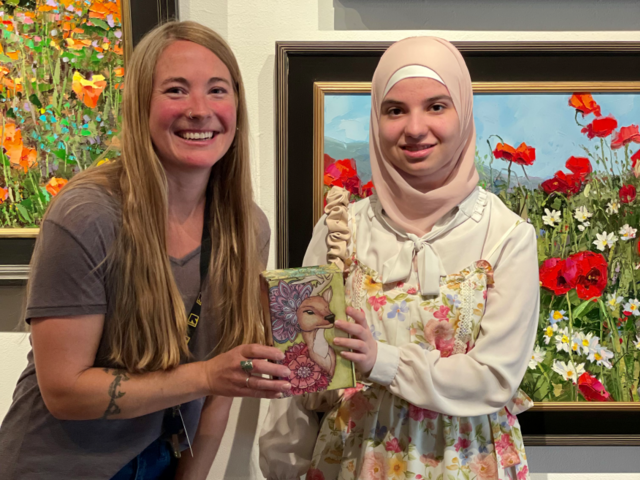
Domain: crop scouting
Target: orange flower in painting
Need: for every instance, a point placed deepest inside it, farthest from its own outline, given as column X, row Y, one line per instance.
column 55, row 185
column 88, row 90
column 119, row 72
column 4, row 193
column 523, row 155
column 585, row 104
column 102, row 9
column 19, row 155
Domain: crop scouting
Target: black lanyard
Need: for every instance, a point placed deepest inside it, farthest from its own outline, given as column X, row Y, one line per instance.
column 173, row 422
column 205, row 258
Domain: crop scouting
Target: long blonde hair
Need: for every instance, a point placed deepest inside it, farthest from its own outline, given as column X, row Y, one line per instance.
column 148, row 325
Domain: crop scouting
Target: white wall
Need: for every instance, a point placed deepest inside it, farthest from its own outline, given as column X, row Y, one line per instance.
column 253, row 26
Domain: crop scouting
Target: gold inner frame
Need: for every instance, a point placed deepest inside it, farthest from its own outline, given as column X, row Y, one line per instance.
column 320, row 89
column 127, row 36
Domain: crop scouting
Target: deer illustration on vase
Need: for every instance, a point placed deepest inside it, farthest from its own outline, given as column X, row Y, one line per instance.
column 304, row 307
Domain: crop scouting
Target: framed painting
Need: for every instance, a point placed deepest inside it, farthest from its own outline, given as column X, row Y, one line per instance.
column 62, row 68
column 560, row 147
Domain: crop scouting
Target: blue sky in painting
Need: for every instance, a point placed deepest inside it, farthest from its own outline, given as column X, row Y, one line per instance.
column 543, row 121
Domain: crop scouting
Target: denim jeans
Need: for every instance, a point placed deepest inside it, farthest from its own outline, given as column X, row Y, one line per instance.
column 156, row 462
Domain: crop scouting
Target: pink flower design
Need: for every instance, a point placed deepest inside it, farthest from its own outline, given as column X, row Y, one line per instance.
column 376, row 302
column 306, row 375
column 466, row 428
column 374, row 466
column 412, row 291
column 284, row 301
column 430, row 460
column 393, row 446
column 511, row 419
column 435, row 329
column 445, row 347
column 522, row 474
column 315, row 474
column 484, row 466
column 509, row 458
column 462, row 444
column 359, row 406
column 442, row 313
column 350, row 392
column 418, row 414
column 503, row 444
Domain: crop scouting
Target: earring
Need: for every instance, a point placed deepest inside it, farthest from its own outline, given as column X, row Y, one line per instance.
column 190, row 116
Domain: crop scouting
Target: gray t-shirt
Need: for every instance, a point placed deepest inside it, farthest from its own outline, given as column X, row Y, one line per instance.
column 67, row 278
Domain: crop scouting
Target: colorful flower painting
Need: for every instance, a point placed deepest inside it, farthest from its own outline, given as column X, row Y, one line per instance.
column 568, row 164
column 61, row 80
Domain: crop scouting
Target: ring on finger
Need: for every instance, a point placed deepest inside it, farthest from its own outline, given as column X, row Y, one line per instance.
column 246, row 382
column 246, row 365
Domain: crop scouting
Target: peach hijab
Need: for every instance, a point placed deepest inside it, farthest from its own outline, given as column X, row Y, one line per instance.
column 414, row 211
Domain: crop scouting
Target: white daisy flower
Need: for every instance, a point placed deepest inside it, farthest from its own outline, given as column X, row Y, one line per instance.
column 581, row 227
column 556, row 316
column 552, row 218
column 613, row 206
column 588, row 342
column 613, row 301
column 563, row 342
column 633, row 307
column 605, row 240
column 536, row 357
column 549, row 332
column 637, row 344
column 582, row 214
column 601, row 356
column 627, row 232
column 569, row 371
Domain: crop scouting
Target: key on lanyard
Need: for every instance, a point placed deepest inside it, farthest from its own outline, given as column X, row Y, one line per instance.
column 174, row 425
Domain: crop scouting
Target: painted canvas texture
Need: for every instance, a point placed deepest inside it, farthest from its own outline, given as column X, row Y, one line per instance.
column 303, row 305
column 61, row 80
column 568, row 163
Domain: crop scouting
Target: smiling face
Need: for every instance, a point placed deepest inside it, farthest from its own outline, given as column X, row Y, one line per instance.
column 420, row 131
column 193, row 107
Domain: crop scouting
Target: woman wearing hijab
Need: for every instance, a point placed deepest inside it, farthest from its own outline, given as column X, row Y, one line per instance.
column 442, row 282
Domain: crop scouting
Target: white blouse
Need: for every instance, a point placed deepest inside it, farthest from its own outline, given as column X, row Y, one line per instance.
column 478, row 383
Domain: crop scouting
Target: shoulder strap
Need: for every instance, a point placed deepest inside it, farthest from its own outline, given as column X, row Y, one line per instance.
column 502, row 240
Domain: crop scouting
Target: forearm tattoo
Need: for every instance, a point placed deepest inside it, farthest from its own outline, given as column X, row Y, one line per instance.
column 114, row 392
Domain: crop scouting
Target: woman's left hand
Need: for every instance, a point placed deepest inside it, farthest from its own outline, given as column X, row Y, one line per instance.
column 364, row 346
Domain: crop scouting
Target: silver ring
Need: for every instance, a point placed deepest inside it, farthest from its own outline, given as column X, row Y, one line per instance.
column 246, row 365
column 190, row 116
column 246, row 382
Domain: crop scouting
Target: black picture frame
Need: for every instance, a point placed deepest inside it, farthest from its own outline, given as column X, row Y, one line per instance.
column 300, row 64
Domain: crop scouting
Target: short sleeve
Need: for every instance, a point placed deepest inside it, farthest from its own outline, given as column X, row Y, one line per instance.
column 68, row 268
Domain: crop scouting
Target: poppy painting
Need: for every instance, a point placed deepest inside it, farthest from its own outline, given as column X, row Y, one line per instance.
column 569, row 164
column 61, row 80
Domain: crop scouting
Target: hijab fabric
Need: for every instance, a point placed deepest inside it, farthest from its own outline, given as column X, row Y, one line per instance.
column 415, row 211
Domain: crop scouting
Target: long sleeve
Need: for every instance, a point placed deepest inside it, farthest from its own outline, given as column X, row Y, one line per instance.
column 486, row 378
column 291, row 426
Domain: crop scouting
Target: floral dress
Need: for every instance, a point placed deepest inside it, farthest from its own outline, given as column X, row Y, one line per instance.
column 374, row 435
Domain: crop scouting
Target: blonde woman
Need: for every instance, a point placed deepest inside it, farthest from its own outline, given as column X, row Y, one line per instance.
column 143, row 299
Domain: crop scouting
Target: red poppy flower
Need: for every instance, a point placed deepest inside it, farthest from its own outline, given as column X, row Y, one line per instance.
column 353, row 185
column 563, row 183
column 581, row 166
column 585, row 104
column 635, row 157
column 591, row 388
column 625, row 136
column 367, row 189
column 627, row 193
column 314, row 474
column 601, row 127
column 558, row 275
column 591, row 274
column 339, row 172
column 523, row 155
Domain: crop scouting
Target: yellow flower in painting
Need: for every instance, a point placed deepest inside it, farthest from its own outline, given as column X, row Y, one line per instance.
column 119, row 72
column 88, row 90
column 397, row 467
column 102, row 162
column 371, row 285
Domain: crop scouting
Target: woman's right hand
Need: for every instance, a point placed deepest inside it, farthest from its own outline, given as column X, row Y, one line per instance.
column 226, row 378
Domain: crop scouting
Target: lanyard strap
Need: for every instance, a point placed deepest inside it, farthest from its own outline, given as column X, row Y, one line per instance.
column 205, row 258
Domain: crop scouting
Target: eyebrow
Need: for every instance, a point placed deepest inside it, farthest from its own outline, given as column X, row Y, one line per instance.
column 184, row 81
column 390, row 101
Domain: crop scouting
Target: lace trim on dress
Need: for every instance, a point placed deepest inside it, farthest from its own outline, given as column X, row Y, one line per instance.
column 337, row 222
